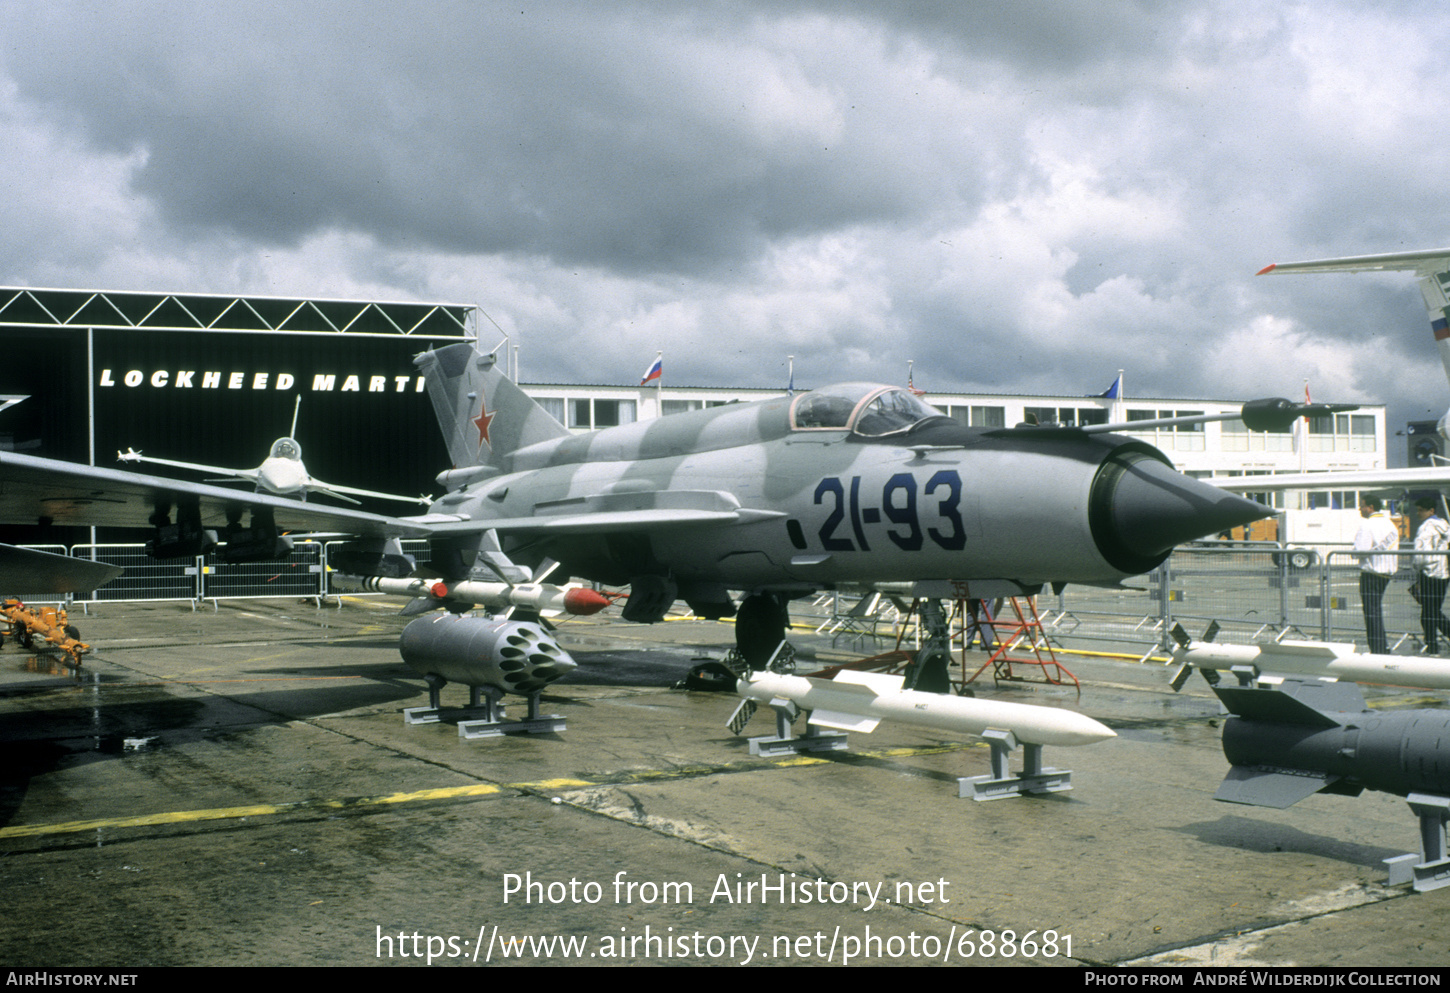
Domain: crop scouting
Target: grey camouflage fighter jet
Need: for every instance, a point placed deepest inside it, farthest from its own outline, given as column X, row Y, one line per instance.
column 855, row 484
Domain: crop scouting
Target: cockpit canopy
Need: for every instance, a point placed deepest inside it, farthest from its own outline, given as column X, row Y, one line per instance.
column 286, row 448
column 867, row 409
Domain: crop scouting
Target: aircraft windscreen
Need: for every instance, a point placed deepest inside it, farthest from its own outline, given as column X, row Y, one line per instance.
column 824, row 408
column 867, row 408
column 286, row 448
column 892, row 411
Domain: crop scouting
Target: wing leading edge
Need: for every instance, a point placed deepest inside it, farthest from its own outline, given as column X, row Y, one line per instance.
column 47, row 491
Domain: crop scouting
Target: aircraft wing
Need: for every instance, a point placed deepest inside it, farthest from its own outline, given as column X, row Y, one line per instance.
column 332, row 489
column 619, row 520
column 35, row 490
column 1414, row 478
column 28, row 570
column 246, row 475
column 1423, row 263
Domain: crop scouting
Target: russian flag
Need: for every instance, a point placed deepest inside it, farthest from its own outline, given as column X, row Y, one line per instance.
column 655, row 371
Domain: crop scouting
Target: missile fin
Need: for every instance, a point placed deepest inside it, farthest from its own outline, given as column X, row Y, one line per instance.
column 1265, row 788
column 1180, row 677
column 1295, row 702
column 419, row 605
column 844, row 722
column 742, row 715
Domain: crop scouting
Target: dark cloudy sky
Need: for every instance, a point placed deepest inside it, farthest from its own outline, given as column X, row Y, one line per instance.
column 1019, row 196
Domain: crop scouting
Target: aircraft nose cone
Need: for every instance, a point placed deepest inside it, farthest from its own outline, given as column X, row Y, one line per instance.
column 1141, row 508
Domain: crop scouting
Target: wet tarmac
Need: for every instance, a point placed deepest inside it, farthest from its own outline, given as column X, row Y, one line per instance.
column 238, row 787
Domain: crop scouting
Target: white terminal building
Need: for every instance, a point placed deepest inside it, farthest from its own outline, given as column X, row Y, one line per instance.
column 1346, row 441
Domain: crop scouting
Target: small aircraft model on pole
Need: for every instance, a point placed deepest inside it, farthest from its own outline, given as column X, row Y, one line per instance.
column 282, row 472
column 849, row 484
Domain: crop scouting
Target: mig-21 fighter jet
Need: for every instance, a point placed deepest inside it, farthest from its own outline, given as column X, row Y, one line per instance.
column 734, row 510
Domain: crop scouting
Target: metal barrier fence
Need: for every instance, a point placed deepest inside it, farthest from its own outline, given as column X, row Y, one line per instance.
column 301, row 574
column 145, row 578
column 1251, row 591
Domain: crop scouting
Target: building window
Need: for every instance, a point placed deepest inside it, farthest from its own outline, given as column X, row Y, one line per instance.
column 1175, row 437
column 679, row 406
column 979, row 417
column 554, row 405
column 1342, row 433
column 1238, row 438
column 586, row 414
column 1066, row 416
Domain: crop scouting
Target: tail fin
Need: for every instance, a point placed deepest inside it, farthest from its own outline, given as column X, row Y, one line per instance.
column 483, row 415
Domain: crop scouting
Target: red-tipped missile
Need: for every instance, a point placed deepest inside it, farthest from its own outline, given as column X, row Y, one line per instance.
column 543, row 597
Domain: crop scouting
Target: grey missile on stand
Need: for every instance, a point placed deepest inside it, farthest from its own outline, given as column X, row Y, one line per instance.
column 1303, row 737
column 491, row 656
column 857, row 701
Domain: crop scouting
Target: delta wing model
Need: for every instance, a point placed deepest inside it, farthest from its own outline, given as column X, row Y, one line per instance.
column 282, row 472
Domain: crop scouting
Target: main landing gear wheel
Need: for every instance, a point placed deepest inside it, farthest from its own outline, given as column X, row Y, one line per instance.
column 760, row 627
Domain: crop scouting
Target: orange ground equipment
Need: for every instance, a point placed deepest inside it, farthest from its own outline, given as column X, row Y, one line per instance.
column 43, row 629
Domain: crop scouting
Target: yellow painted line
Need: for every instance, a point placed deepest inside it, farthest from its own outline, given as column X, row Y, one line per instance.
column 188, row 681
column 440, row 793
column 253, row 810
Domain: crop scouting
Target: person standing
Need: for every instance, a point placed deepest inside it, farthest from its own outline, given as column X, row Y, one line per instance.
column 1376, row 536
column 1432, row 575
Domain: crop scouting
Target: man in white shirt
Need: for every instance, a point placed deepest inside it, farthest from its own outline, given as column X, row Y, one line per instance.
column 1431, row 573
column 1378, row 534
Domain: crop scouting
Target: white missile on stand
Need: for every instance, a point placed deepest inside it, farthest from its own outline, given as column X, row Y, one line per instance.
column 545, row 598
column 1315, row 659
column 858, row 701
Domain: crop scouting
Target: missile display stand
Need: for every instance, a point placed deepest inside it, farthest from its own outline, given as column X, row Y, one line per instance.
column 1033, row 778
column 484, row 717
column 815, row 739
column 1430, row 870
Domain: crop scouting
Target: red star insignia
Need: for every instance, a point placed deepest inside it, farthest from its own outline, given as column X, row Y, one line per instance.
column 482, row 422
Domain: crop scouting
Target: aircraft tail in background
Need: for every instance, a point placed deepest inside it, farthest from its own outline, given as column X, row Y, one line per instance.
column 1432, row 271
column 484, row 416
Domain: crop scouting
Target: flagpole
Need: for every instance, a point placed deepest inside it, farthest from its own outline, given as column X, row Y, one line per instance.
column 660, row 385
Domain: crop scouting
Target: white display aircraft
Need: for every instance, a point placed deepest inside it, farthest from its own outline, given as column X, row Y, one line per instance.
column 282, row 472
